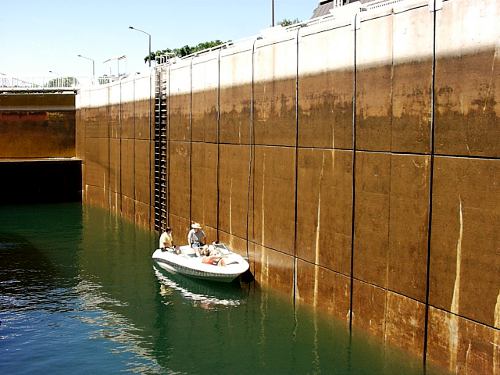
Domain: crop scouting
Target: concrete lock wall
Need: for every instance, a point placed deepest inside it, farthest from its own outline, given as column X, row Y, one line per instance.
column 37, row 125
column 355, row 161
column 114, row 140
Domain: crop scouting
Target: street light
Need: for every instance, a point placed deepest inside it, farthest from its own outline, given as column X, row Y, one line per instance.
column 117, row 61
column 272, row 11
column 93, row 65
column 149, row 36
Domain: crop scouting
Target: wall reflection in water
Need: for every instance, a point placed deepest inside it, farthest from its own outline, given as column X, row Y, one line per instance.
column 98, row 304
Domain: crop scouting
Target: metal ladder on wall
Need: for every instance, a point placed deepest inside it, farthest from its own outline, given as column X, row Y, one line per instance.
column 161, row 149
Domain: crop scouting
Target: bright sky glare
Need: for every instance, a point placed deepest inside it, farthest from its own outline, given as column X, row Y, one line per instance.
column 39, row 36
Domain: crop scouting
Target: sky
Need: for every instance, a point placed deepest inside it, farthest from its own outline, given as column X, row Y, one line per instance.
column 40, row 38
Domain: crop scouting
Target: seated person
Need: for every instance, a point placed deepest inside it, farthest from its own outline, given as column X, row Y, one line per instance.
column 166, row 239
column 196, row 236
column 213, row 260
column 211, row 256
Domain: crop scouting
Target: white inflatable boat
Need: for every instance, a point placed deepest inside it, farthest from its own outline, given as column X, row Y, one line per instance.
column 221, row 265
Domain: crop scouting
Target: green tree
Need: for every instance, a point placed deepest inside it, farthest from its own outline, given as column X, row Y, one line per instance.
column 185, row 50
column 286, row 22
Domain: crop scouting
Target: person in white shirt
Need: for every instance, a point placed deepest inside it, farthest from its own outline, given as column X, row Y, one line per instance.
column 196, row 236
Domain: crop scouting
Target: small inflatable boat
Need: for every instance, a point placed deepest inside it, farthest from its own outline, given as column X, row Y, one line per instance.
column 220, row 265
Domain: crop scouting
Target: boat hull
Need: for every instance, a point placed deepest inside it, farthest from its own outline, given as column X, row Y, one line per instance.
column 193, row 267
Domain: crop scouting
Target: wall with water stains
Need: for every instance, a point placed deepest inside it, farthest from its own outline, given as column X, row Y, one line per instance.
column 114, row 136
column 354, row 160
column 37, row 125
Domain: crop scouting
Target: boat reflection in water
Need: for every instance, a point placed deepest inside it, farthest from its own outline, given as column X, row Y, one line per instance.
column 200, row 293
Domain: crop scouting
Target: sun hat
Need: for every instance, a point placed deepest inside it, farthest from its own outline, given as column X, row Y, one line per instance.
column 196, row 226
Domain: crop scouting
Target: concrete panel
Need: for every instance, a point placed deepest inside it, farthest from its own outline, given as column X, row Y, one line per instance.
column 142, row 171
column 180, row 180
column 51, row 102
column 205, row 72
column 180, row 77
column 236, row 65
column 391, row 218
column 80, row 133
column 205, row 109
column 368, row 308
column 96, row 196
column 204, row 187
column 37, row 134
column 37, row 125
column 275, row 56
column 127, row 168
column 462, row 346
column 374, row 86
column 235, row 96
column 325, row 89
column 127, row 208
column 324, row 208
column 467, row 110
column 103, row 122
column 143, row 87
column 371, row 238
column 233, row 189
column 114, row 93
column 142, row 214
column 128, row 120
column 127, row 90
column 408, row 225
column 274, row 197
column 325, row 110
column 115, row 166
column 274, row 93
column 405, row 323
column 96, row 162
column 180, row 228
column 412, row 80
column 465, row 266
column 274, row 113
column 329, row 37
column 473, row 25
column 235, row 106
column 237, row 244
column 142, row 126
column 323, row 289
column 114, row 118
column 180, row 117
column 152, row 181
column 273, row 269
column 89, row 116
column 99, row 96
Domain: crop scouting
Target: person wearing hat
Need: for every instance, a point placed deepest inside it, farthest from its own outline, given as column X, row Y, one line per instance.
column 166, row 239
column 196, row 236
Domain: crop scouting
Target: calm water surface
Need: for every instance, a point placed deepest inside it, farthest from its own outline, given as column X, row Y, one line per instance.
column 79, row 294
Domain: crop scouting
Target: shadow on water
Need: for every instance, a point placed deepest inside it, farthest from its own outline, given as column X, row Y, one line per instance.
column 26, row 274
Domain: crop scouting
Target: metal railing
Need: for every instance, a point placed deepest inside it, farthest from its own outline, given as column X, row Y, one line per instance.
column 40, row 83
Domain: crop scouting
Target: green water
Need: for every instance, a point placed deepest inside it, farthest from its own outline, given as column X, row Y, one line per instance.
column 79, row 294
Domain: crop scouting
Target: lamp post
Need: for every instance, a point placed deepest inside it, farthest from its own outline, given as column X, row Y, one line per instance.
column 117, row 61
column 272, row 11
column 149, row 37
column 93, row 65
